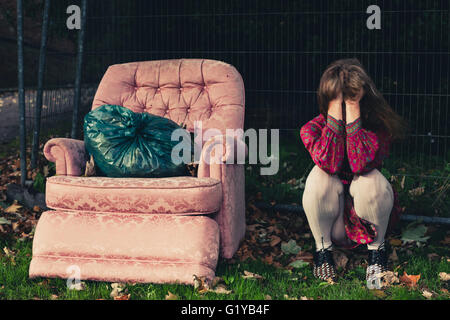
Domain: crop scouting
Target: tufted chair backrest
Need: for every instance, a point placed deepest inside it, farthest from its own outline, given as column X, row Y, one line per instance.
column 183, row 90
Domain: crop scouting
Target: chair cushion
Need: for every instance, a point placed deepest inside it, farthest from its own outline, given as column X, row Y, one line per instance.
column 174, row 195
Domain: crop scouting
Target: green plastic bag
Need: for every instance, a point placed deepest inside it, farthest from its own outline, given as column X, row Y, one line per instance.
column 128, row 144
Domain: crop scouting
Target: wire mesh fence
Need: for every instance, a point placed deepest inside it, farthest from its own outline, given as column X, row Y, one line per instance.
column 281, row 49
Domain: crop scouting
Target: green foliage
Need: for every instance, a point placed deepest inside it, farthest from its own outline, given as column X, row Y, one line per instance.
column 290, row 247
column 39, row 183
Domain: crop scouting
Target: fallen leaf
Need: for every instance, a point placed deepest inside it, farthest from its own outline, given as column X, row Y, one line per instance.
column 290, row 247
column 379, row 293
column 4, row 221
column 200, row 284
column 54, row 297
column 36, row 209
column 415, row 234
column 389, row 278
column 251, row 275
column 171, row 296
column 444, row 276
column 13, row 208
column 221, row 289
column 298, row 264
column 123, row 297
column 216, row 281
column 305, row 298
column 289, row 298
column 417, row 191
column 117, row 289
column 274, row 241
column 402, row 184
column 409, row 280
column 427, row 294
column 395, row 242
column 77, row 286
column 8, row 253
column 267, row 297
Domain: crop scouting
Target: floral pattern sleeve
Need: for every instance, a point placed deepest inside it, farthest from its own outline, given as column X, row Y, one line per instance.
column 365, row 149
column 325, row 142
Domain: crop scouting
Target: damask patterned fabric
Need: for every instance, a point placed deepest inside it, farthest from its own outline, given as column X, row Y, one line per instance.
column 173, row 195
column 169, row 240
column 348, row 150
column 125, row 247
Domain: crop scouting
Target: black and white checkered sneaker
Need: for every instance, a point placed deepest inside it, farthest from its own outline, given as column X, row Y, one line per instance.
column 377, row 264
column 324, row 267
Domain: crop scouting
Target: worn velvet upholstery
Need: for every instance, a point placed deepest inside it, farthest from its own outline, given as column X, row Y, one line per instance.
column 204, row 215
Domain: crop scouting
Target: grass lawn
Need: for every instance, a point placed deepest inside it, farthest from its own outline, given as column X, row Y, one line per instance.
column 278, row 283
column 273, row 241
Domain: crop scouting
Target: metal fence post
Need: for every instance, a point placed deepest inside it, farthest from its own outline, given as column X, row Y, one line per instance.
column 22, row 130
column 39, row 94
column 77, row 90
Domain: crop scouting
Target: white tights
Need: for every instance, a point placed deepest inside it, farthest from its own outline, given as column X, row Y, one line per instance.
column 323, row 202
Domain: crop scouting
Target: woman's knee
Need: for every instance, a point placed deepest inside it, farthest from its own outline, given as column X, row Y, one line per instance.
column 372, row 187
column 320, row 185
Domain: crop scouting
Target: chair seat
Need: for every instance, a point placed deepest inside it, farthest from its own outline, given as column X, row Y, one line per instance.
column 173, row 195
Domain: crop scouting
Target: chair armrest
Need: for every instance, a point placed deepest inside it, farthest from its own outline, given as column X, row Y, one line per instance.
column 231, row 217
column 222, row 149
column 69, row 156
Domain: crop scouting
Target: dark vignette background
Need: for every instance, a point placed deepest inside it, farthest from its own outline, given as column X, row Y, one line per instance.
column 279, row 47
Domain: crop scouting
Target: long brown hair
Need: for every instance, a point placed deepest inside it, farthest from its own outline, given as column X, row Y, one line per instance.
column 347, row 76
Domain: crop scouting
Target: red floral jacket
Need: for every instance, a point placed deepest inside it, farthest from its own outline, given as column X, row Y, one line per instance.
column 348, row 150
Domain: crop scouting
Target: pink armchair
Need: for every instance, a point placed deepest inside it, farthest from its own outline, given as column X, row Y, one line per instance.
column 160, row 230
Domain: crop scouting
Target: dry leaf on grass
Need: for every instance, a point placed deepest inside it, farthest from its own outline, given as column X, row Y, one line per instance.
column 444, row 276
column 123, row 297
column 8, row 253
column 77, row 286
column 251, row 275
column 427, row 294
column 117, row 289
column 171, row 296
column 389, row 278
column 13, row 208
column 221, row 289
column 200, row 284
column 409, row 279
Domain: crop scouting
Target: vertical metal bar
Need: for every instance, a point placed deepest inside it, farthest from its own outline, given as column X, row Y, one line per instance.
column 22, row 132
column 79, row 66
column 38, row 106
